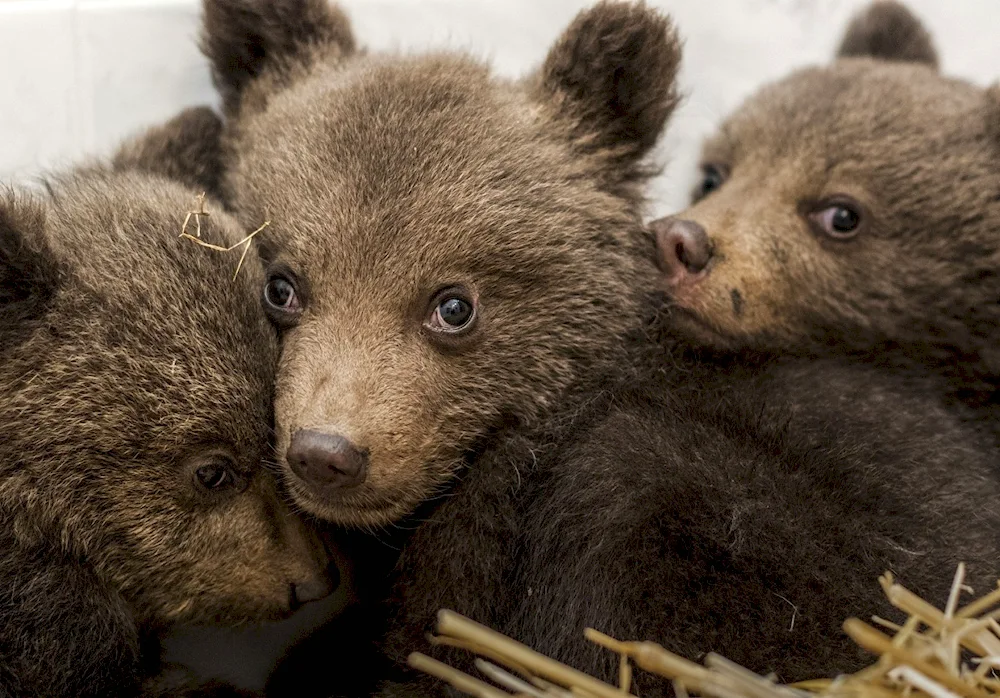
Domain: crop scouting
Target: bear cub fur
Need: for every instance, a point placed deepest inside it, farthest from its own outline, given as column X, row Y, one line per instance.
column 853, row 209
column 462, row 279
column 135, row 419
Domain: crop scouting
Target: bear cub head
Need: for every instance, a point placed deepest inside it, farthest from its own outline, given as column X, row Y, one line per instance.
column 135, row 414
column 853, row 206
column 451, row 252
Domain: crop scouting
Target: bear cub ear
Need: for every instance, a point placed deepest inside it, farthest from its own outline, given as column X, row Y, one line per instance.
column 29, row 273
column 611, row 79
column 992, row 112
column 888, row 31
column 187, row 148
column 242, row 38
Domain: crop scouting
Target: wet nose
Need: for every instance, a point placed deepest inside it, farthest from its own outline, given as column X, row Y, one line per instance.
column 683, row 247
column 326, row 460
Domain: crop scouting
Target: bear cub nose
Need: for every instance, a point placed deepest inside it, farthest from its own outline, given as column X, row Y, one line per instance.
column 326, row 460
column 312, row 590
column 683, row 248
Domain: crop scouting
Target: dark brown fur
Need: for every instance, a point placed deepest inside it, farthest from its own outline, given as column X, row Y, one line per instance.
column 747, row 512
column 128, row 358
column 540, row 478
column 257, row 39
column 888, row 31
column 186, row 149
column 917, row 289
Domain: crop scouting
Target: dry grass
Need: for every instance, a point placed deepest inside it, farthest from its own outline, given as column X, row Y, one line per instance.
column 197, row 214
column 949, row 653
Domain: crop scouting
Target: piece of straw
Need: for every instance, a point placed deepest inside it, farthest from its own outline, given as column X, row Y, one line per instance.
column 196, row 238
column 458, row 679
column 450, row 623
column 879, row 643
column 923, row 658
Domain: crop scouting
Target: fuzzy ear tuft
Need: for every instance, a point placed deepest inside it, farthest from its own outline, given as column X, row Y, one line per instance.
column 611, row 77
column 243, row 38
column 888, row 31
column 29, row 274
column 187, row 148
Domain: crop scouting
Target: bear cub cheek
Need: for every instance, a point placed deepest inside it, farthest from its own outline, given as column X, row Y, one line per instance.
column 238, row 552
column 728, row 280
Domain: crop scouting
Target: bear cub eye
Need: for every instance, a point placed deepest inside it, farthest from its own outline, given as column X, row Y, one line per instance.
column 217, row 472
column 281, row 300
column 453, row 312
column 712, row 177
column 839, row 219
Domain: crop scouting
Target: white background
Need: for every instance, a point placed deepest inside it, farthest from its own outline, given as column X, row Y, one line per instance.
column 78, row 75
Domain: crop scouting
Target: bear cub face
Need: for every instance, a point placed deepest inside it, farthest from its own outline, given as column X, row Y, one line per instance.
column 135, row 414
column 854, row 205
column 451, row 251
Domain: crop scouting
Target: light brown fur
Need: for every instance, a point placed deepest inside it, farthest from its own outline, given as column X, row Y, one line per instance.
column 389, row 178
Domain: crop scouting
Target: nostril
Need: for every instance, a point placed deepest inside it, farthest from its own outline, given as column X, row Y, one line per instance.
column 326, row 459
column 682, row 254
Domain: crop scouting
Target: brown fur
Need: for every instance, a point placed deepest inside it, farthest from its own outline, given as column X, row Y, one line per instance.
column 388, row 178
column 888, row 31
column 747, row 510
column 538, row 477
column 258, row 43
column 129, row 358
column 186, row 149
column 551, row 162
column 917, row 287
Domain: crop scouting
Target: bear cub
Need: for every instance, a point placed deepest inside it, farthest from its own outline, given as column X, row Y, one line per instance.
column 852, row 209
column 463, row 283
column 135, row 420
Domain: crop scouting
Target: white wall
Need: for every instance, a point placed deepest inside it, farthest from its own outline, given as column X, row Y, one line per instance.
column 77, row 75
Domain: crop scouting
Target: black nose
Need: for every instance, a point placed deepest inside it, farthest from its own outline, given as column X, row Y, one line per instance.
column 683, row 248
column 326, row 460
column 311, row 590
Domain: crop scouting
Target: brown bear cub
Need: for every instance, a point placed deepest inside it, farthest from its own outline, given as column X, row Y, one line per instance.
column 134, row 425
column 853, row 208
column 462, row 279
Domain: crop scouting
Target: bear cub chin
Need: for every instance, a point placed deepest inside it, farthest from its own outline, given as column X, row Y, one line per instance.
column 137, row 377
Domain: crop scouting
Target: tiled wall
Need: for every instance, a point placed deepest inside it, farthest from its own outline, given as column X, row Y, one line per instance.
column 75, row 76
